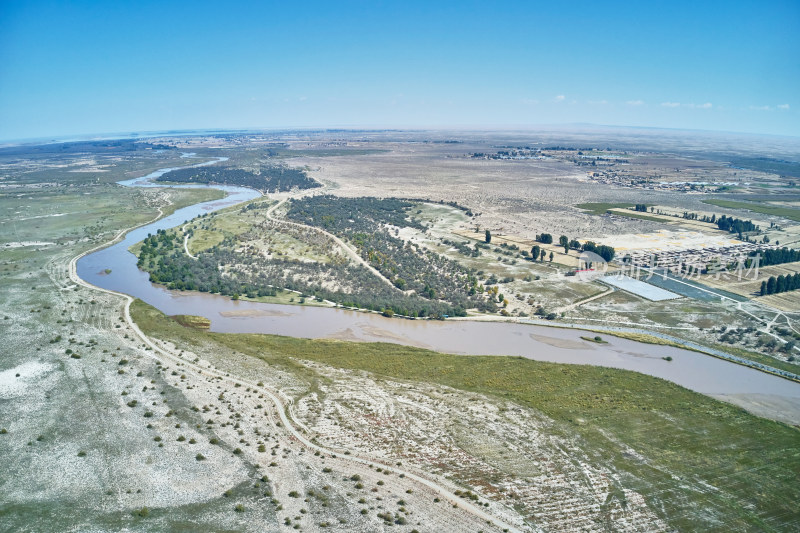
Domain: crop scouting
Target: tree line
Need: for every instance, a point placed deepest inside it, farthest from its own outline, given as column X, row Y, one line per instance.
column 537, row 253
column 776, row 256
column 775, row 285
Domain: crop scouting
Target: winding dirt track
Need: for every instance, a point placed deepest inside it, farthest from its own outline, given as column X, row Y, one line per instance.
column 160, row 354
column 349, row 251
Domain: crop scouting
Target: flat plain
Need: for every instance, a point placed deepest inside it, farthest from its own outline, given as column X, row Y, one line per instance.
column 114, row 416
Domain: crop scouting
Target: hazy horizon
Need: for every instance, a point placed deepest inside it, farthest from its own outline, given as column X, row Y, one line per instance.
column 91, row 67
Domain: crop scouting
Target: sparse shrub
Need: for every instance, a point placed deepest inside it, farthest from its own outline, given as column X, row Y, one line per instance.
column 81, row 453
column 200, row 457
column 239, row 508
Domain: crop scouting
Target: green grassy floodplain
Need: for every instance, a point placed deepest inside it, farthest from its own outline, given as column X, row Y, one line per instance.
column 700, row 463
column 600, row 208
column 764, row 209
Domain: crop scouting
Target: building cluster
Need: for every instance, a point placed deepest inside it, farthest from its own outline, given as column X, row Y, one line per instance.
column 609, row 177
column 741, row 259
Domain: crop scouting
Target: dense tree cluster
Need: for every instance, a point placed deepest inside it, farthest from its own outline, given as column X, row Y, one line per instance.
column 464, row 248
column 367, row 223
column 735, row 225
column 775, row 285
column 229, row 271
column 642, row 208
column 352, row 215
column 266, row 179
column 777, row 256
column 431, row 285
column 606, row 252
column 545, row 238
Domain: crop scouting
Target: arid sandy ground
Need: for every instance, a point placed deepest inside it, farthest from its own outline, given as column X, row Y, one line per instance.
column 102, row 432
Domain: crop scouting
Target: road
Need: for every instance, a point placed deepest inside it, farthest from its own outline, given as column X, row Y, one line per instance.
column 163, row 355
column 349, row 251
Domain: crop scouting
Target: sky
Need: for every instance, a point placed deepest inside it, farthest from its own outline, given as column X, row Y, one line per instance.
column 74, row 68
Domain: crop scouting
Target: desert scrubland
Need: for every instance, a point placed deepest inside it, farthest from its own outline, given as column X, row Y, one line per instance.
column 114, row 416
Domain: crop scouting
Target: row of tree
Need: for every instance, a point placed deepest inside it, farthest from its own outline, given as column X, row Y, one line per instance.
column 776, row 256
column 606, row 252
column 775, row 285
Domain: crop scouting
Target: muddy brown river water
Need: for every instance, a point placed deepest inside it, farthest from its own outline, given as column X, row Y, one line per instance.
column 695, row 371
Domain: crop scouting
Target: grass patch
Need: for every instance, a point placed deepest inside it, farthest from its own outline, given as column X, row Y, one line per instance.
column 600, row 208
column 689, row 441
column 765, row 209
column 727, row 348
column 634, row 214
column 203, row 239
column 645, row 338
column 192, row 321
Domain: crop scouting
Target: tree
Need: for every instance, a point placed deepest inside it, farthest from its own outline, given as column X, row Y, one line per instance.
column 771, row 285
column 535, row 252
column 542, row 254
column 488, row 237
column 551, row 257
column 563, row 241
column 763, row 288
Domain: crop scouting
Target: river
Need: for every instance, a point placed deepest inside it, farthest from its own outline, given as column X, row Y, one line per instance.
column 695, row 371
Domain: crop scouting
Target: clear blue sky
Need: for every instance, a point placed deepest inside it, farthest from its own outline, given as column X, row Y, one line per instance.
column 113, row 66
